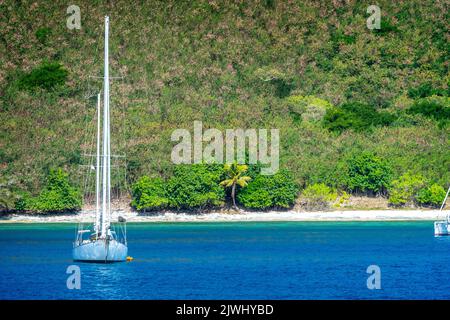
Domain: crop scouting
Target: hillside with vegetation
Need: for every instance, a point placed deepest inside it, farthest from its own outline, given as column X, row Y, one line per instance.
column 363, row 112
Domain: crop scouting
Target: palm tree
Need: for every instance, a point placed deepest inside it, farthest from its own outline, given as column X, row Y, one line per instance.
column 235, row 177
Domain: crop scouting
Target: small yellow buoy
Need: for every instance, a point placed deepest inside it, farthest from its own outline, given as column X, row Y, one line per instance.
column 129, row 258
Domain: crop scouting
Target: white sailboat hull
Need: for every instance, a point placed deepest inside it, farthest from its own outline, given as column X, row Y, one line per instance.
column 100, row 251
column 442, row 228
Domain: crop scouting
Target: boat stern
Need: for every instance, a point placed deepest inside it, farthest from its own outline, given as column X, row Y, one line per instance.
column 441, row 228
column 100, row 251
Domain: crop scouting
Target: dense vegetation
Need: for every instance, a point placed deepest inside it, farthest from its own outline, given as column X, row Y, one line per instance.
column 336, row 90
column 191, row 187
column 273, row 191
column 57, row 196
column 200, row 187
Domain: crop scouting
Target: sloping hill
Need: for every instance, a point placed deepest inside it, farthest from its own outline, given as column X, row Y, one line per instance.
column 230, row 64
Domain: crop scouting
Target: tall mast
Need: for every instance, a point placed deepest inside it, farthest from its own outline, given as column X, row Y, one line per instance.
column 108, row 183
column 108, row 144
column 106, row 148
column 97, row 171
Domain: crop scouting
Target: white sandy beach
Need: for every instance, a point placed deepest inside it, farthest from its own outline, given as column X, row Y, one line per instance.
column 131, row 216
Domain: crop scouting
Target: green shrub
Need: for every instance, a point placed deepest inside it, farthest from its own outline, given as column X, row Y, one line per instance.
column 255, row 198
column 22, row 201
column 58, row 196
column 434, row 107
column 404, row 190
column 253, row 170
column 367, row 173
column 344, row 198
column 42, row 34
column 424, row 90
column 339, row 37
column 149, row 194
column 264, row 192
column 196, row 186
column 339, row 120
column 356, row 116
column 433, row 195
column 385, row 27
column 46, row 76
column 318, row 196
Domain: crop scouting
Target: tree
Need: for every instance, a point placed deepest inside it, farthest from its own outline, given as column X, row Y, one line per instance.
column 405, row 189
column 195, row 187
column 270, row 191
column 367, row 173
column 433, row 195
column 235, row 176
column 58, row 196
column 149, row 194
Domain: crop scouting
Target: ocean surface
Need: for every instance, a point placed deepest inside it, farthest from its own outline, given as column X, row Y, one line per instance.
column 246, row 260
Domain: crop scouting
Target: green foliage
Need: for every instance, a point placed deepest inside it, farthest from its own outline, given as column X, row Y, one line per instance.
column 22, row 201
column 42, row 34
column 318, row 196
column 434, row 107
column 58, row 196
column 404, row 190
column 235, row 175
column 433, row 195
column 47, row 76
column 149, row 194
column 343, row 200
column 8, row 194
column 253, row 170
column 385, row 27
column 274, row 191
column 233, row 65
column 307, row 108
column 356, row 116
column 424, row 90
column 191, row 187
column 340, row 37
column 367, row 173
column 339, row 120
column 235, row 178
column 195, row 186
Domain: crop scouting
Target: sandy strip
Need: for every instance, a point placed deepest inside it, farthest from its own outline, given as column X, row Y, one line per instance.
column 357, row 215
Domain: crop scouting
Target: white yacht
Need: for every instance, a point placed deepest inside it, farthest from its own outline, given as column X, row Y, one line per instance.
column 101, row 242
column 442, row 228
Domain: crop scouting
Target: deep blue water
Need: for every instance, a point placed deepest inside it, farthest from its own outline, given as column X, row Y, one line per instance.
column 277, row 260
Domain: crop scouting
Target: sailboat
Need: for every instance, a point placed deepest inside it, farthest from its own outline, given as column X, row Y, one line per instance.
column 442, row 228
column 101, row 242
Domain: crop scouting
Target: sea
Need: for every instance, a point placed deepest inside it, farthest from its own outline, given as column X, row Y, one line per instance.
column 232, row 260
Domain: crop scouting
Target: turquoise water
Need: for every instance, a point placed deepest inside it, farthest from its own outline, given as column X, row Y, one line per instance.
column 291, row 260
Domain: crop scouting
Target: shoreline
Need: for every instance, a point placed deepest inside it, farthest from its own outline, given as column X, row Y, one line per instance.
column 88, row 216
